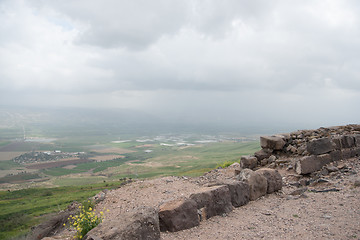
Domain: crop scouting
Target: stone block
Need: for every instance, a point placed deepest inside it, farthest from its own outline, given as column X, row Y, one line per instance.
column 273, row 177
column 357, row 140
column 272, row 142
column 346, row 153
column 355, row 152
column 309, row 164
column 256, row 181
column 337, row 142
column 335, row 155
column 347, row 141
column 248, row 162
column 142, row 223
column 239, row 192
column 262, row 154
column 213, row 200
column 178, row 215
column 320, row 146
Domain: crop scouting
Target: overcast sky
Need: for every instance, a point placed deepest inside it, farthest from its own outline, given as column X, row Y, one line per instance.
column 251, row 61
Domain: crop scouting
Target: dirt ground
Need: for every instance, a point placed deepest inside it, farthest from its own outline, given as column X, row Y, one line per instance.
column 323, row 206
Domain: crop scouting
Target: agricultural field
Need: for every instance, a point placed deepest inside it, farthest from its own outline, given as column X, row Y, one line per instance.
column 105, row 158
column 43, row 174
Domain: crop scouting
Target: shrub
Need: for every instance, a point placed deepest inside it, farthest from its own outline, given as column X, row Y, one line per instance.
column 85, row 220
column 225, row 164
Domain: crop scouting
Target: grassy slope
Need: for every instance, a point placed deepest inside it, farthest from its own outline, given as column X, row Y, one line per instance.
column 19, row 210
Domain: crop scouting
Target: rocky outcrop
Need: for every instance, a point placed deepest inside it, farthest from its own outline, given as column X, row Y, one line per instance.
column 142, row 223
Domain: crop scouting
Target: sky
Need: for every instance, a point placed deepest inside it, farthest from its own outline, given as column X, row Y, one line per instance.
column 231, row 61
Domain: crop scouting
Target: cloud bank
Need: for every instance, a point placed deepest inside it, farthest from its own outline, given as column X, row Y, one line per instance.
column 249, row 61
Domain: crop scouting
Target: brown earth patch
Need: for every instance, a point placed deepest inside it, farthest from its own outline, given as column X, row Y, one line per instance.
column 5, row 156
column 56, row 164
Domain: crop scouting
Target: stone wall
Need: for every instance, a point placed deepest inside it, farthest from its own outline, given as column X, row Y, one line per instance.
column 306, row 151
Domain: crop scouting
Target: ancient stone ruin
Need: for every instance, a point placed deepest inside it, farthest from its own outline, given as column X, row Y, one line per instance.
column 306, row 151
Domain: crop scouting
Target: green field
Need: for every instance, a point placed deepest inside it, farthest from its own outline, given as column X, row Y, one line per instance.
column 44, row 191
column 22, row 209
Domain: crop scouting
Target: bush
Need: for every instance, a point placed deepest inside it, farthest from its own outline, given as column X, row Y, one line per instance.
column 85, row 220
column 225, row 164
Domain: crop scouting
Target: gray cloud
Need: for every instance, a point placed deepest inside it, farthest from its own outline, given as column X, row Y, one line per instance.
column 234, row 59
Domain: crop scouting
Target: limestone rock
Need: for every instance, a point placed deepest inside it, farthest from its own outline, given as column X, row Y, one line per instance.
column 248, row 162
column 320, row 146
column 272, row 142
column 178, row 214
column 142, row 223
column 213, row 200
column 273, row 177
column 256, row 181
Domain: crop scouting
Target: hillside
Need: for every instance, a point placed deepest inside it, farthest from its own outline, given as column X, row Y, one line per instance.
column 284, row 202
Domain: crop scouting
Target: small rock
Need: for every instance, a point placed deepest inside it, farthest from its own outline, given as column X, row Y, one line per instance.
column 357, row 183
column 332, row 168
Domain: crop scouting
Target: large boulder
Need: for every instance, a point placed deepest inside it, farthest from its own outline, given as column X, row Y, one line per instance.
column 309, row 164
column 212, row 201
column 178, row 214
column 273, row 177
column 54, row 223
column 272, row 142
column 140, row 224
column 257, row 183
column 320, row 146
column 248, row 162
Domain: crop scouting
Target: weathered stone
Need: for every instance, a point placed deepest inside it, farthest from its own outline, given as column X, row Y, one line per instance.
column 337, row 141
column 239, row 192
column 309, row 164
column 256, row 181
column 273, row 177
column 271, row 159
column 272, row 142
column 54, row 224
column 262, row 154
column 264, row 162
column 346, row 153
column 320, row 146
column 291, row 149
column 178, row 214
column 347, row 141
column 355, row 152
column 335, row 155
column 248, row 162
column 142, row 223
column 213, row 200
column 357, row 140
column 332, row 168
